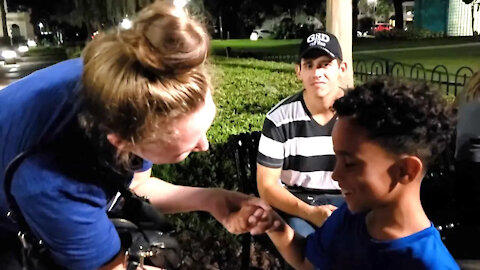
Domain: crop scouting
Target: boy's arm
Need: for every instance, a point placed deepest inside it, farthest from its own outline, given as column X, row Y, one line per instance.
column 291, row 246
column 280, row 198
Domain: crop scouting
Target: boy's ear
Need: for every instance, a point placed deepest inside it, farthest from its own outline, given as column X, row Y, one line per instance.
column 297, row 70
column 409, row 169
column 116, row 141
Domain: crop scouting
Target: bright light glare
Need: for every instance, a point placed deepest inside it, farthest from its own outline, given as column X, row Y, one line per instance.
column 253, row 36
column 31, row 43
column 126, row 24
column 23, row 49
column 9, row 54
column 180, row 3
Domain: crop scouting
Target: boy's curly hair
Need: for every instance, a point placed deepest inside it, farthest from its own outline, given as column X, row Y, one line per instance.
column 403, row 117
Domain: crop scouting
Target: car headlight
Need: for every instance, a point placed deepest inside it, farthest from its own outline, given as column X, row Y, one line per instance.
column 254, row 36
column 9, row 54
column 31, row 43
column 23, row 49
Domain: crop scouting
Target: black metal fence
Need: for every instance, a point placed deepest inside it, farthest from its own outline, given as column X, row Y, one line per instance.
column 451, row 82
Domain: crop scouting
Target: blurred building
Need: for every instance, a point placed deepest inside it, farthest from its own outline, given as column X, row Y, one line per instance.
column 460, row 18
column 408, row 8
column 19, row 26
column 452, row 17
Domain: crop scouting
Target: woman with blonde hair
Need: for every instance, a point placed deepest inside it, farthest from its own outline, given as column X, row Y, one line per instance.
column 136, row 97
column 467, row 164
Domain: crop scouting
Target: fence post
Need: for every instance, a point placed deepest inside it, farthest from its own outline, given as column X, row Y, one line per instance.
column 228, row 51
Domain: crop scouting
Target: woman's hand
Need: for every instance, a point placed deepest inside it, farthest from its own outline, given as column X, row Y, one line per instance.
column 240, row 213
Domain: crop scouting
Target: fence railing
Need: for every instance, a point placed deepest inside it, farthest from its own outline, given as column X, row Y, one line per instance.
column 452, row 83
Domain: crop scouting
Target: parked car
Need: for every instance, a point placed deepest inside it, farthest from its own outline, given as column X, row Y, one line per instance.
column 8, row 54
column 362, row 33
column 381, row 27
column 261, row 34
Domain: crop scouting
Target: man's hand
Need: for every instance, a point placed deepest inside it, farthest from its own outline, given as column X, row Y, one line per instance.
column 318, row 214
column 240, row 213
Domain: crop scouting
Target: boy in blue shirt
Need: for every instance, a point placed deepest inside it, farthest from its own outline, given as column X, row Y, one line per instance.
column 399, row 131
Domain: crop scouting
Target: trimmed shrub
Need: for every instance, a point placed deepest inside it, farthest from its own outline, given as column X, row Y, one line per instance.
column 410, row 34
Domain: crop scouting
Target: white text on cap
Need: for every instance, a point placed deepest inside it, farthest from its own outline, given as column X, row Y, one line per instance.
column 318, row 39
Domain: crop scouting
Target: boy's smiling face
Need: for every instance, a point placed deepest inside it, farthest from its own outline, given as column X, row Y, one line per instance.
column 363, row 168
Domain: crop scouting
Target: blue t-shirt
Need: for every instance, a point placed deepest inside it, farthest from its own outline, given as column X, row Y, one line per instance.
column 344, row 243
column 67, row 213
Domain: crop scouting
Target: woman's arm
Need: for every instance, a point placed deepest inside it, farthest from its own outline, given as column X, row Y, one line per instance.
column 222, row 204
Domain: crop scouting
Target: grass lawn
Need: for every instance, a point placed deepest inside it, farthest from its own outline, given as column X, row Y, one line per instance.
column 290, row 46
column 453, row 58
column 376, row 44
column 263, row 46
column 408, row 52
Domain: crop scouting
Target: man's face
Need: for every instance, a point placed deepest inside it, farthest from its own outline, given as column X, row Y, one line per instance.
column 363, row 168
column 320, row 76
column 188, row 134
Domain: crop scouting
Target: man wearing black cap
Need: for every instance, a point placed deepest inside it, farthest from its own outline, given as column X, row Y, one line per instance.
column 295, row 156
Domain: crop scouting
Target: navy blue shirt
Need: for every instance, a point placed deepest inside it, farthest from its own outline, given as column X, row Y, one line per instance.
column 344, row 243
column 65, row 210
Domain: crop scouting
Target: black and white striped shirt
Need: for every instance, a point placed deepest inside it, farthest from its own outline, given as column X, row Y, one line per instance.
column 292, row 140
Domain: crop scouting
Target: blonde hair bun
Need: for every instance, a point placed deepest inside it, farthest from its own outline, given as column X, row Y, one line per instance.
column 163, row 38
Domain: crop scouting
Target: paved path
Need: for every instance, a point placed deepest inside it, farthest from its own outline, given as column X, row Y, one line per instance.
column 473, row 44
column 26, row 65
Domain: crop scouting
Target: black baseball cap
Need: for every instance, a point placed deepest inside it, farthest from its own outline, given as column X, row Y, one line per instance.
column 322, row 41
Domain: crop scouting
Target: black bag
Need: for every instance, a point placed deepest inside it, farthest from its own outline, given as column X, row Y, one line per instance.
column 144, row 232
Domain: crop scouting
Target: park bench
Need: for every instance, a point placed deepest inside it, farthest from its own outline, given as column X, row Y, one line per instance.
column 245, row 146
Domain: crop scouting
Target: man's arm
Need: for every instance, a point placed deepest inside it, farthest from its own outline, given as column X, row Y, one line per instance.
column 280, row 198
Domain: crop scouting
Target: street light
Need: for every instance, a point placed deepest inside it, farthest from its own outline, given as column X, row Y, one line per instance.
column 126, row 23
column 180, row 3
column 40, row 26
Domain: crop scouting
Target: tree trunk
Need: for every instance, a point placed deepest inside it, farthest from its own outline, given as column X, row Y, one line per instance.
column 341, row 26
column 4, row 20
column 397, row 4
column 355, row 18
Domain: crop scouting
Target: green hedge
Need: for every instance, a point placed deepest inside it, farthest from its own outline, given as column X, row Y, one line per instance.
column 410, row 34
column 245, row 89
